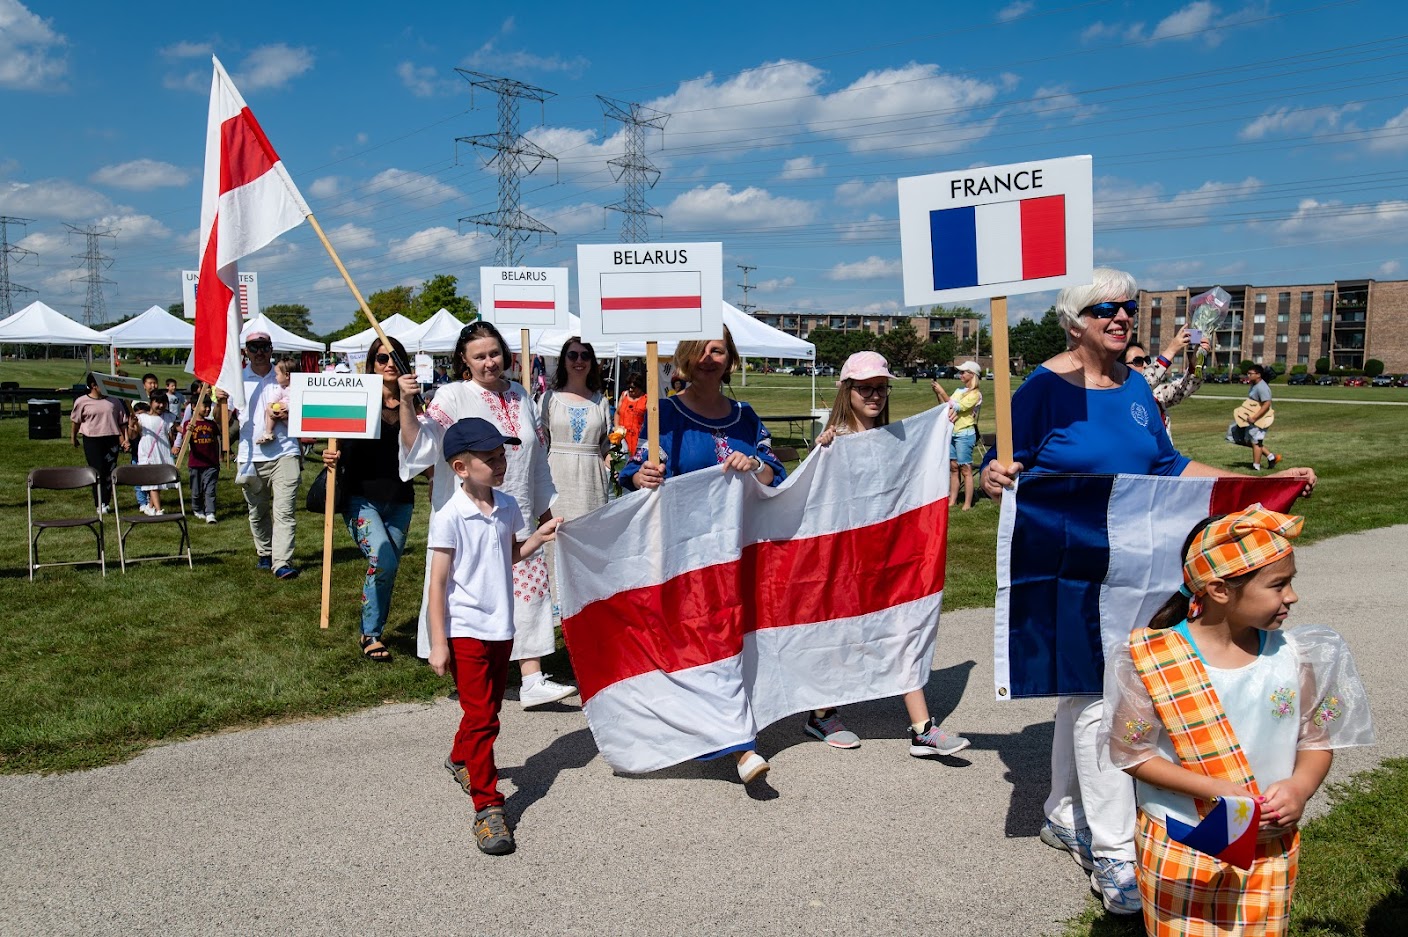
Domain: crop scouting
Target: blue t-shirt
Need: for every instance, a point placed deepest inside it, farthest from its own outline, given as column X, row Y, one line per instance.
column 691, row 442
column 1058, row 427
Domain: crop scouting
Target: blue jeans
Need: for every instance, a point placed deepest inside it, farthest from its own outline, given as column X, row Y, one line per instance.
column 379, row 529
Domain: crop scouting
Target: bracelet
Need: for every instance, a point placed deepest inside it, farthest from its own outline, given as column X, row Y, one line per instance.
column 761, row 465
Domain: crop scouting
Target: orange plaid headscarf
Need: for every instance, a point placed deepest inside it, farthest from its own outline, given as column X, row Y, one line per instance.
column 1236, row 544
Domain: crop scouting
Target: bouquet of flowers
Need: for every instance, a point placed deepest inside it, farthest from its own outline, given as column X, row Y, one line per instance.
column 618, row 455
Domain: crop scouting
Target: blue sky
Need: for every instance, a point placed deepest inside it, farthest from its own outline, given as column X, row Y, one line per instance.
column 1259, row 142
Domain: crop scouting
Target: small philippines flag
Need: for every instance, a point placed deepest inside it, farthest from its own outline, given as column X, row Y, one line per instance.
column 331, row 412
column 1227, row 833
column 973, row 245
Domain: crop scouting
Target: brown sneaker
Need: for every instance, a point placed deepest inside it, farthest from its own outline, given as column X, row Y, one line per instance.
column 492, row 833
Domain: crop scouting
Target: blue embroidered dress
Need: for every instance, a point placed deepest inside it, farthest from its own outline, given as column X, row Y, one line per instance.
column 690, row 442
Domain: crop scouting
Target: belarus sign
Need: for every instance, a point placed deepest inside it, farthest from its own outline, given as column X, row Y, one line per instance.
column 996, row 230
column 123, row 388
column 249, row 293
column 650, row 292
column 342, row 406
column 524, row 297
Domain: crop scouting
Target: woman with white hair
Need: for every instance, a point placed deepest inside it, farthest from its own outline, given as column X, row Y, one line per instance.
column 1080, row 412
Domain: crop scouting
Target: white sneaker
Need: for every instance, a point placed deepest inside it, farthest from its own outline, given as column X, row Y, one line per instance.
column 543, row 692
column 107, row 508
column 752, row 767
column 210, row 518
column 147, row 509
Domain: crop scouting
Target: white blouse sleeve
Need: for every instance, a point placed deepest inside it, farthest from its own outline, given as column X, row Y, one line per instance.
column 1334, row 706
column 1130, row 728
column 424, row 453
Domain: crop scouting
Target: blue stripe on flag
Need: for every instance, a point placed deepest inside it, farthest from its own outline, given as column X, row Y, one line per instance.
column 953, row 242
column 1060, row 555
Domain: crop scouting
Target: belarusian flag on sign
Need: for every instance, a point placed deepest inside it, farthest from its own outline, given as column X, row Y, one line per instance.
column 247, row 200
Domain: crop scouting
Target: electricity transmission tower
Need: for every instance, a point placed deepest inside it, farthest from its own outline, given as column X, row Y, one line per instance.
column 8, row 288
column 94, row 263
column 634, row 168
column 516, row 157
column 746, row 306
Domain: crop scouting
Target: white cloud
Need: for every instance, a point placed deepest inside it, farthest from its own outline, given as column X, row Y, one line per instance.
column 775, row 284
column 1335, row 220
column 423, row 81
column 351, row 237
column 573, row 219
column 196, row 81
column 738, row 109
column 581, row 147
column 1194, row 17
column 1200, row 21
column 1389, row 267
column 272, row 66
column 1296, row 120
column 1058, row 100
column 491, row 57
column 441, row 245
column 1118, row 202
column 802, row 167
column 184, row 49
column 414, row 187
column 326, row 187
column 719, row 205
column 856, row 192
column 32, row 54
column 1392, row 137
column 872, row 268
column 1014, row 10
column 875, row 227
column 928, row 111
column 52, row 198
column 142, row 175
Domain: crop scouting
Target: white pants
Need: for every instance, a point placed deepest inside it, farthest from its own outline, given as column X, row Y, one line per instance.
column 1082, row 792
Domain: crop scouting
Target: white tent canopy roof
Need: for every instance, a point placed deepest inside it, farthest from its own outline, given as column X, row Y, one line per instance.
column 38, row 324
column 397, row 326
column 155, row 328
column 754, row 339
column 438, row 334
column 283, row 339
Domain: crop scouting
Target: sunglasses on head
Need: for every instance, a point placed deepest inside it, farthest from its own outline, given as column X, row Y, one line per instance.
column 579, row 356
column 1110, row 310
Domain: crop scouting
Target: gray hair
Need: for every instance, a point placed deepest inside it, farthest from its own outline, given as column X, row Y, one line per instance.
column 1107, row 285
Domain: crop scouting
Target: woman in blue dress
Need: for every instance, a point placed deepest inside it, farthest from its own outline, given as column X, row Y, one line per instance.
column 700, row 428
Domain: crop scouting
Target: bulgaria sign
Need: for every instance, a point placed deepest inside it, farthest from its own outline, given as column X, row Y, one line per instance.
column 650, row 292
column 996, row 230
column 524, row 297
column 331, row 405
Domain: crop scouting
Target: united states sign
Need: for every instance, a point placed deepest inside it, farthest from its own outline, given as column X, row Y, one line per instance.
column 533, row 298
column 650, row 292
column 996, row 230
column 328, row 406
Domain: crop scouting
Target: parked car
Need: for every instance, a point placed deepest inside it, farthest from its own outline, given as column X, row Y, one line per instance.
column 1402, row 380
column 1382, row 380
column 1297, row 380
column 1219, row 379
column 1355, row 382
column 1326, row 380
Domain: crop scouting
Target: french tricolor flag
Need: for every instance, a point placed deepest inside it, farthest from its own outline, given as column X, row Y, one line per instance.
column 973, row 245
column 1083, row 560
column 699, row 613
column 1227, row 833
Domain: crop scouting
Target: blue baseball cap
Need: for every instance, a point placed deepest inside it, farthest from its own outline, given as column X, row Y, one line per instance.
column 474, row 434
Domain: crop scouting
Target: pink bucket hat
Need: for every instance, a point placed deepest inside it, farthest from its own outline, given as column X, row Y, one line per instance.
column 864, row 365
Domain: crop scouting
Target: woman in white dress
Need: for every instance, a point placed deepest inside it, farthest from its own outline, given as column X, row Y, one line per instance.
column 481, row 390
column 576, row 419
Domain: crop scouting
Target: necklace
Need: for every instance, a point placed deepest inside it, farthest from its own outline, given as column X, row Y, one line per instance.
column 1109, row 381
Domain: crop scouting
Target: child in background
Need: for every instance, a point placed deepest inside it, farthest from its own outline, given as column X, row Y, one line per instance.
column 203, row 454
column 152, row 430
column 134, row 432
column 277, row 405
column 175, row 400
column 470, row 610
column 1214, row 699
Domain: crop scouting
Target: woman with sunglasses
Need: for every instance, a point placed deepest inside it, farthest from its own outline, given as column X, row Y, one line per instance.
column 576, row 419
column 1080, row 413
column 379, row 502
column 480, row 389
column 1155, row 370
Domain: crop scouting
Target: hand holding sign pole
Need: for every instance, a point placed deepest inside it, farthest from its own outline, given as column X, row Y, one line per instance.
column 992, row 232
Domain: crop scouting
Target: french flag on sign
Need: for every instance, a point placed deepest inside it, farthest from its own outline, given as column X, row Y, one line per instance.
column 1083, row 560
column 973, row 246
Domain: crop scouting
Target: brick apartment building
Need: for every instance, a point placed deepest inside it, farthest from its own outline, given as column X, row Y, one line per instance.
column 930, row 328
column 1347, row 321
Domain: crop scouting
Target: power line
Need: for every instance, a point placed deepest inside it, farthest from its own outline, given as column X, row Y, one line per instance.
column 94, row 307
column 634, row 168
column 516, row 156
column 8, row 288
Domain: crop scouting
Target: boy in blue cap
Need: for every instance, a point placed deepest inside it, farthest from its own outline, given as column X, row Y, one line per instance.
column 473, row 550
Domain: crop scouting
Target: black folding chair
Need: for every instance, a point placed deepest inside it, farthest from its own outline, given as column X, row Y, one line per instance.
column 66, row 478
column 127, row 476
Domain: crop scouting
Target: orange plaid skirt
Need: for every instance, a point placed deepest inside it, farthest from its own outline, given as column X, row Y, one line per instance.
column 1187, row 893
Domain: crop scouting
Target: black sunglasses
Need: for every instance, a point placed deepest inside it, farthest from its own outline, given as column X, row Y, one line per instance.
column 579, row 356
column 1110, row 310
column 383, row 358
column 1139, row 361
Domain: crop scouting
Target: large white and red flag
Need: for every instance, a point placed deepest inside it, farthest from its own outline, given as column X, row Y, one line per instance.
column 698, row 614
column 247, row 200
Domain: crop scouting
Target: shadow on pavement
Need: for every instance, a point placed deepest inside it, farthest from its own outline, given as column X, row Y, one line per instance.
column 534, row 778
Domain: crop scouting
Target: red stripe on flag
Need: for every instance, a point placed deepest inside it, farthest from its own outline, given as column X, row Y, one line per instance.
column 212, row 323
column 325, row 424
column 1230, row 495
column 524, row 304
column 1043, row 237
column 701, row 616
column 245, row 153
column 618, row 303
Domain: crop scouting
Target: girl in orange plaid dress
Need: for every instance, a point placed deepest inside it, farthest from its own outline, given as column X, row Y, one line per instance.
column 1215, row 699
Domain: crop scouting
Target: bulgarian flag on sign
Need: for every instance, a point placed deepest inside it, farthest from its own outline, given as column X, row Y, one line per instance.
column 248, row 199
column 328, row 413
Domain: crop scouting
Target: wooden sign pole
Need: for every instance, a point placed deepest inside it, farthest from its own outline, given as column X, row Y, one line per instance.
column 525, row 363
column 652, row 398
column 1002, row 378
column 224, row 431
column 327, row 537
column 186, row 436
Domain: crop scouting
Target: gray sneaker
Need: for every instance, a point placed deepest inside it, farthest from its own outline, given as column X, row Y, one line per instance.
column 829, row 728
column 934, row 741
column 1075, row 842
column 491, row 832
column 1114, row 880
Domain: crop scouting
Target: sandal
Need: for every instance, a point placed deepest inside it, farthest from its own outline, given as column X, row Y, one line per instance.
column 461, row 775
column 372, row 649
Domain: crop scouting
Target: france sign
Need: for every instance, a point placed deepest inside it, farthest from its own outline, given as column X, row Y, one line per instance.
column 331, row 405
column 996, row 230
column 650, row 292
column 524, row 297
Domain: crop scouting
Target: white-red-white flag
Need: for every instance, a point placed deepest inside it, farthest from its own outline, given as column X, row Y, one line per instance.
column 701, row 613
column 247, row 200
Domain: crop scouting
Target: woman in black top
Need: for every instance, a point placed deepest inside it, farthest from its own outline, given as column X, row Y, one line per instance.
column 379, row 503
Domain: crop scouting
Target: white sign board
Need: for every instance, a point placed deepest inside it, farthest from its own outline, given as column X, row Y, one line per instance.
column 996, row 230
column 524, row 297
column 249, row 292
column 650, row 292
column 334, row 406
column 425, row 368
column 123, row 388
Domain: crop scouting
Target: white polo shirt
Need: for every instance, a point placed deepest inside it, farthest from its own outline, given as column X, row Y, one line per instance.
column 479, row 594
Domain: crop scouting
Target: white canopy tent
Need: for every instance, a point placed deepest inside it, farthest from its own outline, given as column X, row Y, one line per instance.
column 396, row 326
column 283, row 339
column 38, row 324
column 155, row 328
column 437, row 335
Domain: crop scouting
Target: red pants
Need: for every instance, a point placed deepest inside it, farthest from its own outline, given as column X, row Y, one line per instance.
column 480, row 669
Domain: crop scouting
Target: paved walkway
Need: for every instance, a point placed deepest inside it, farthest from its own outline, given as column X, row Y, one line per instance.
column 350, row 826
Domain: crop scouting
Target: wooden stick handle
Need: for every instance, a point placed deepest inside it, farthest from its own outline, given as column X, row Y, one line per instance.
column 327, row 538
column 224, row 430
column 525, row 362
column 186, row 436
column 1002, row 379
column 652, row 399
